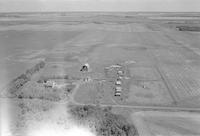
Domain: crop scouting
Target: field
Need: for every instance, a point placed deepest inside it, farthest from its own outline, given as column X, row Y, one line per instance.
column 98, row 93
column 137, row 61
column 152, row 123
column 148, row 93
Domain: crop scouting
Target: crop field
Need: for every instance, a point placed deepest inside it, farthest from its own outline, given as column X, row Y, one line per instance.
column 152, row 123
column 184, row 81
column 146, row 87
column 148, row 93
column 144, row 73
column 95, row 93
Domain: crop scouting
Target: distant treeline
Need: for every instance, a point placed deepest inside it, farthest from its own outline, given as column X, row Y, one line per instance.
column 18, row 82
column 188, row 28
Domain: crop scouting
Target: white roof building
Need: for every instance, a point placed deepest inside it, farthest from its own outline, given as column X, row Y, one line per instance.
column 53, row 84
column 120, row 72
column 87, row 65
column 49, row 83
column 114, row 66
column 117, row 94
column 118, row 82
column 118, row 88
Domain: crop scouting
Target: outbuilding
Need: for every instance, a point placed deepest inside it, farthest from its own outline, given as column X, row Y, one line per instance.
column 120, row 72
column 49, row 83
column 117, row 94
column 85, row 67
column 118, row 89
column 118, row 82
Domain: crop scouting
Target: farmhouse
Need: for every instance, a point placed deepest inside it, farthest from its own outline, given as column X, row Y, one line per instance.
column 49, row 83
column 54, row 84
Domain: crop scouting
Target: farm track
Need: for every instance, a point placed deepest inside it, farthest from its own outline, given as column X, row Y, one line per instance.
column 164, row 80
column 127, row 106
column 169, row 88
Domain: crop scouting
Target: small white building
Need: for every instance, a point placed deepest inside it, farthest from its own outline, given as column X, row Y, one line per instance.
column 115, row 66
column 118, row 89
column 120, row 72
column 118, row 82
column 117, row 94
column 49, row 83
column 87, row 65
column 53, row 84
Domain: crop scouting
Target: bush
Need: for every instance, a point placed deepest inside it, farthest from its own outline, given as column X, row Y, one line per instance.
column 82, row 112
column 35, row 69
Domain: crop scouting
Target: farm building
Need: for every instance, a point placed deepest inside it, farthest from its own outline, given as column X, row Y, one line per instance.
column 85, row 67
column 49, row 83
column 54, row 84
column 116, row 66
column 117, row 94
column 118, row 82
column 120, row 73
column 118, row 89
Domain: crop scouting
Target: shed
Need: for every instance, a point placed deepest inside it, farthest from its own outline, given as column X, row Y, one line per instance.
column 117, row 94
column 118, row 82
column 85, row 67
column 120, row 72
column 118, row 88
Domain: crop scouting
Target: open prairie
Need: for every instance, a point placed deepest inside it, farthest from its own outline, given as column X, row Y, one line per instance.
column 132, row 60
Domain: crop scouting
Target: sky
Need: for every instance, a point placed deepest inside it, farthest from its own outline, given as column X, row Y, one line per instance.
column 99, row 5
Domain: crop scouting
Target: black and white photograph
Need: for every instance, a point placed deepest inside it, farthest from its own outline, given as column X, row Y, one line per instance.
column 99, row 67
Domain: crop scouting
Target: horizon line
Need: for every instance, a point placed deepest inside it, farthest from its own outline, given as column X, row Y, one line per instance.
column 100, row 11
